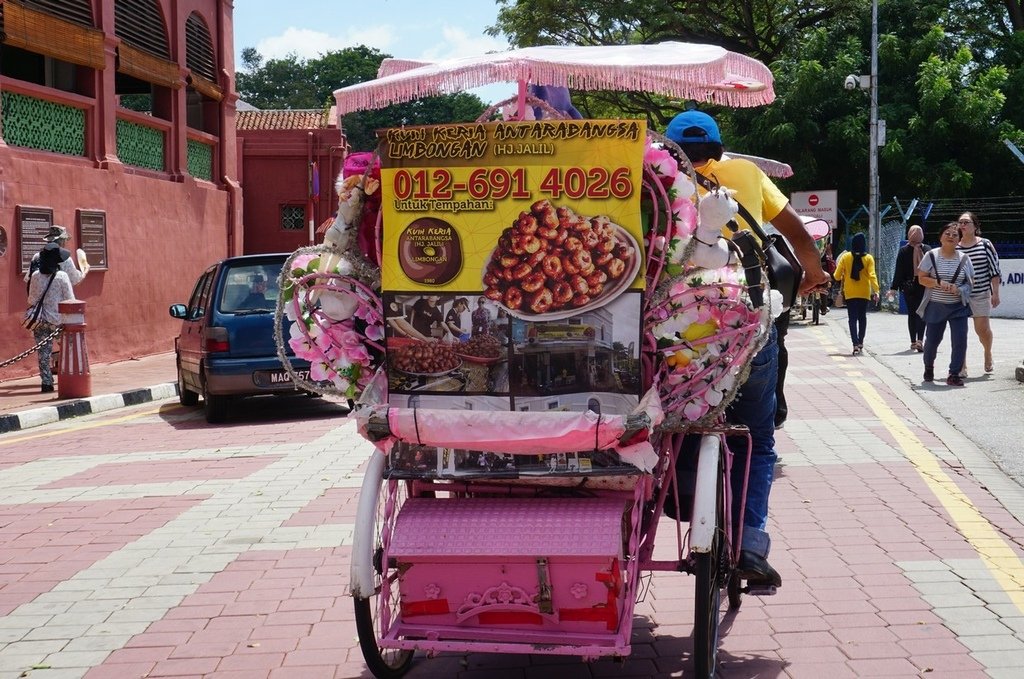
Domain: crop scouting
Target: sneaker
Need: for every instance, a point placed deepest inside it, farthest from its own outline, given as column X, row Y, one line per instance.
column 756, row 570
column 955, row 381
column 929, row 374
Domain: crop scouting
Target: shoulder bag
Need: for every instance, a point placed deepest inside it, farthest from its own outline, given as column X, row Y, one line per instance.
column 31, row 319
column 784, row 270
column 922, row 308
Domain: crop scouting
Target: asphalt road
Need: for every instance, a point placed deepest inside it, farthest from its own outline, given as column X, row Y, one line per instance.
column 989, row 410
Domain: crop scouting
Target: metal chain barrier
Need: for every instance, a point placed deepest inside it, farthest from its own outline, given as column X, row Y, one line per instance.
column 27, row 352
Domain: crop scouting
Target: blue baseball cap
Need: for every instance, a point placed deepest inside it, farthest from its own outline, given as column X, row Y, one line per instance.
column 687, row 119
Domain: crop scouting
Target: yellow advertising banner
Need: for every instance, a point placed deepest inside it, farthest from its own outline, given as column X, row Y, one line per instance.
column 512, row 268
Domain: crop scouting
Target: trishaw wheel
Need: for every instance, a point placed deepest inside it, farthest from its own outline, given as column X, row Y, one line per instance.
column 735, row 589
column 710, row 575
column 384, row 663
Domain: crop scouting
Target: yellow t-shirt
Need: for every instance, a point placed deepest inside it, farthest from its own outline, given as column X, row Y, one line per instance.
column 859, row 289
column 754, row 189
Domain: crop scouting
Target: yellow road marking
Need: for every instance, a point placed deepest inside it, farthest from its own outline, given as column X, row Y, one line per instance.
column 1004, row 564
column 92, row 425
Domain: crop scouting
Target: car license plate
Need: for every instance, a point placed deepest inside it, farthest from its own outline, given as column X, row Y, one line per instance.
column 273, row 378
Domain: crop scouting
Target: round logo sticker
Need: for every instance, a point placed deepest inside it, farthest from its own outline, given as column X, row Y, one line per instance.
column 429, row 251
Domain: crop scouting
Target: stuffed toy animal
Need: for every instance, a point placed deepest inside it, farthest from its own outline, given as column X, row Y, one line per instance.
column 717, row 208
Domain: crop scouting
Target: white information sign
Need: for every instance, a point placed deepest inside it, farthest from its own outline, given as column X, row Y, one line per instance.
column 819, row 204
column 1011, row 290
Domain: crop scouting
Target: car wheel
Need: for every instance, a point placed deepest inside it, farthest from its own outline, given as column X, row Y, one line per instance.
column 215, row 407
column 185, row 396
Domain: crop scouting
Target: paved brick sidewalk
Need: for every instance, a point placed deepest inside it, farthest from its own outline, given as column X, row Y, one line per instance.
column 181, row 550
column 114, row 385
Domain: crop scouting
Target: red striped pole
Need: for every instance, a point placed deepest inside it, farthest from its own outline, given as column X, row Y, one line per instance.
column 73, row 377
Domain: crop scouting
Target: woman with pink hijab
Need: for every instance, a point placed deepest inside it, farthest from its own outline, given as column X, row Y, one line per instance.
column 908, row 259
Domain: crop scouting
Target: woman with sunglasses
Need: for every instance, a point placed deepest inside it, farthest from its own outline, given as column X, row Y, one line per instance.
column 985, row 291
column 947, row 275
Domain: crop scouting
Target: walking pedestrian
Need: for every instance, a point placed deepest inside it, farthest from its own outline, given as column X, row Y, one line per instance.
column 947, row 274
column 698, row 135
column 48, row 286
column 985, row 287
column 904, row 279
column 855, row 271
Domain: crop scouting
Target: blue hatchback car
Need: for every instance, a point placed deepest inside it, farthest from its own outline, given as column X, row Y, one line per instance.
column 226, row 348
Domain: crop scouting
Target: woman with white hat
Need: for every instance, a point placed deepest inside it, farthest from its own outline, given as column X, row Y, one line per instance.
column 48, row 287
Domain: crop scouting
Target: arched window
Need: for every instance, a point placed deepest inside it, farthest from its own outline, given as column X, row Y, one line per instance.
column 199, row 56
column 143, row 58
column 203, row 91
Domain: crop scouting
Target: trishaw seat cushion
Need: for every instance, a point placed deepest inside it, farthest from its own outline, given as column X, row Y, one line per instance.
column 509, row 527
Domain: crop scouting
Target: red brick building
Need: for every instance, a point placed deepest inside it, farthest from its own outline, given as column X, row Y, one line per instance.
column 118, row 123
column 288, row 161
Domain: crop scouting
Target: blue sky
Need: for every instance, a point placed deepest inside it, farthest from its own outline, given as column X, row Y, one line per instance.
column 412, row 29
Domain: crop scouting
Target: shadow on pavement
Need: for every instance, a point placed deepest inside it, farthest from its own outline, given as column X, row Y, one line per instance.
column 246, row 412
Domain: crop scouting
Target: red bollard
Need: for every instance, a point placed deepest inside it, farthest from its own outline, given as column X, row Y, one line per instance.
column 73, row 377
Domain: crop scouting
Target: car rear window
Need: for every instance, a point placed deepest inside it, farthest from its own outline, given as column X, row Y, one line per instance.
column 250, row 287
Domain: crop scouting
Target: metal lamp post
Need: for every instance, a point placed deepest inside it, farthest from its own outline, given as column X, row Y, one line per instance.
column 874, row 227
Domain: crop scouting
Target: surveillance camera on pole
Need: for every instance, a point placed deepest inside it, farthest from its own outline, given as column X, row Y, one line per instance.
column 851, row 82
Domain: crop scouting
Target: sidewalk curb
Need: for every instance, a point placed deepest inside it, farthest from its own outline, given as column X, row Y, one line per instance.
column 85, row 406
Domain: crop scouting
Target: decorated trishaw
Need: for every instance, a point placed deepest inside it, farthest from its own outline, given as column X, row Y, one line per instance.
column 541, row 350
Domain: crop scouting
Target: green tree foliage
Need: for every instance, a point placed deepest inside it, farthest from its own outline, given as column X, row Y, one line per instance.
column 293, row 83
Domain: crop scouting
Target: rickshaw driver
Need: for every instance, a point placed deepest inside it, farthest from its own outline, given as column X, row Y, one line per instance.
column 698, row 135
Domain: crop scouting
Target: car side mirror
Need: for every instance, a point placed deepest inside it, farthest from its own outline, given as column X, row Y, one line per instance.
column 177, row 311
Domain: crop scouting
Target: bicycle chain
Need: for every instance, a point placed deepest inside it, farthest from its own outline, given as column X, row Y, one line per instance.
column 32, row 350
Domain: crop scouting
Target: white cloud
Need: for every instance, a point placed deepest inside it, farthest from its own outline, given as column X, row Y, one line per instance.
column 457, row 43
column 306, row 43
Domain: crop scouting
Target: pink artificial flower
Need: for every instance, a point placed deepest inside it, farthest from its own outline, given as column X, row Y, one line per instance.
column 302, row 261
column 299, row 340
column 660, row 161
column 684, row 219
column 375, row 333
column 696, row 409
column 319, row 371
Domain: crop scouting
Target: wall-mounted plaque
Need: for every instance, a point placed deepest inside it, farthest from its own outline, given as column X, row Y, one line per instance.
column 92, row 237
column 33, row 224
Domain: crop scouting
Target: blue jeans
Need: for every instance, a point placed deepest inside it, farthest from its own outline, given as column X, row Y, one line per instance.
column 755, row 407
column 933, row 334
column 857, row 315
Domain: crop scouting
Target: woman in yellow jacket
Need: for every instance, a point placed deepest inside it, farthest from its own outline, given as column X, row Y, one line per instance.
column 855, row 270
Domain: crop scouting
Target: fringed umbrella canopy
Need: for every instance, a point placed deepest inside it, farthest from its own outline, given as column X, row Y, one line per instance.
column 673, row 69
column 772, row 168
